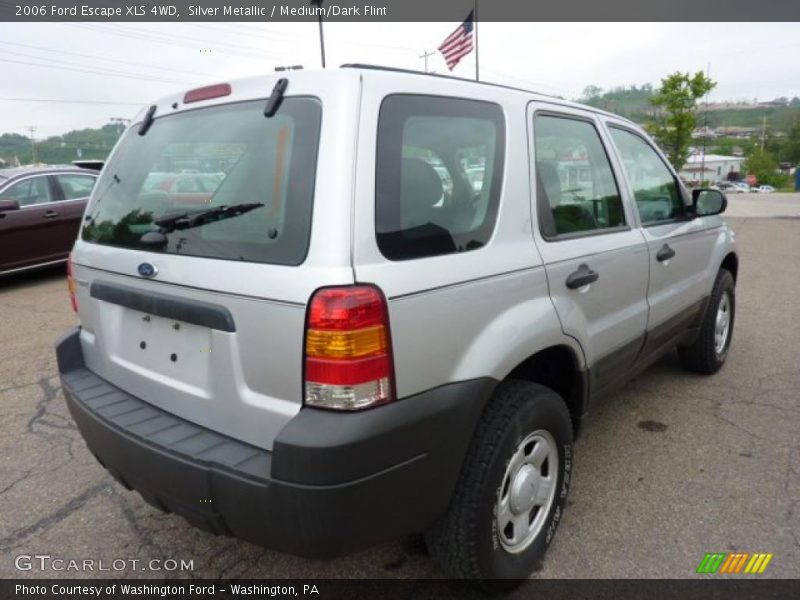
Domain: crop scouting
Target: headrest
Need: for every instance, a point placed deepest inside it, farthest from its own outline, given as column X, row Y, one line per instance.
column 420, row 189
column 547, row 177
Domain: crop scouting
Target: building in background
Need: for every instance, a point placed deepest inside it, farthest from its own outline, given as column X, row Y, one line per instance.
column 714, row 167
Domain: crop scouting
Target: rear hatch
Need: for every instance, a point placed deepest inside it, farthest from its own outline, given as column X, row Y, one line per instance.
column 195, row 261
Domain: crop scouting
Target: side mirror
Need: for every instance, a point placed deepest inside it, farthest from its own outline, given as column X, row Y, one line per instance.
column 6, row 205
column 707, row 202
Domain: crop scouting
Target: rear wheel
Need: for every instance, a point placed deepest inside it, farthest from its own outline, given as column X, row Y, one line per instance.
column 512, row 489
column 708, row 352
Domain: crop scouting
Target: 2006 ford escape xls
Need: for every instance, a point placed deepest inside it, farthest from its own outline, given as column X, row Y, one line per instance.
column 379, row 303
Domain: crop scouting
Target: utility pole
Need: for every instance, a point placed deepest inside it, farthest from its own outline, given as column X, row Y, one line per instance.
column 318, row 4
column 763, row 132
column 705, row 132
column 32, row 129
column 424, row 56
column 121, row 123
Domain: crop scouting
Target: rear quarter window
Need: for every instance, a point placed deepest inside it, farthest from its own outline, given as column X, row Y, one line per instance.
column 439, row 169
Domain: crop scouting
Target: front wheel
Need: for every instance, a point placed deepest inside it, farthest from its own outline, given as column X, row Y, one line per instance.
column 512, row 489
column 708, row 352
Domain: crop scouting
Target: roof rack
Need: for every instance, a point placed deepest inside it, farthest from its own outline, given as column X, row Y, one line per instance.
column 489, row 83
column 441, row 76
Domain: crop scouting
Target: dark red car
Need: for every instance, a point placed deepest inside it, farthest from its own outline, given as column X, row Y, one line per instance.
column 40, row 213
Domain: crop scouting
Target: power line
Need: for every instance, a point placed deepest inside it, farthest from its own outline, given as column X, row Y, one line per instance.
column 271, row 33
column 262, row 34
column 98, row 70
column 171, row 36
column 94, row 57
column 176, row 40
column 183, row 41
column 93, row 72
column 66, row 101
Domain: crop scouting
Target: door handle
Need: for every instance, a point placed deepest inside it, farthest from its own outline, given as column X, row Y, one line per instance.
column 665, row 253
column 583, row 276
column 51, row 214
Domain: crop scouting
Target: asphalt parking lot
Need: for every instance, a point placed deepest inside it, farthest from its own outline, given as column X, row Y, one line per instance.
column 674, row 466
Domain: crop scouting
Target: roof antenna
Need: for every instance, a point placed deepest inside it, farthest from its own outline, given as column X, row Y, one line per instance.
column 148, row 120
column 276, row 97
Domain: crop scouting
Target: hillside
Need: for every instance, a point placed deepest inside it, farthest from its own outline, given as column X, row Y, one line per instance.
column 63, row 149
column 633, row 102
column 630, row 102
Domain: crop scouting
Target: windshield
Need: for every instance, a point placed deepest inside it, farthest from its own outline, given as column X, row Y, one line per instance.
column 214, row 159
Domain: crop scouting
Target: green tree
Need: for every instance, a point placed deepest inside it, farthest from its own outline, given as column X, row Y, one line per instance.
column 790, row 151
column 764, row 166
column 675, row 115
column 591, row 92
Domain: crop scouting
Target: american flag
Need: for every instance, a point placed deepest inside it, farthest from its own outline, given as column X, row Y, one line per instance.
column 458, row 44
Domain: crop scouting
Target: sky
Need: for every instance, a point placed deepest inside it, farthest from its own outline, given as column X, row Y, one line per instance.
column 63, row 76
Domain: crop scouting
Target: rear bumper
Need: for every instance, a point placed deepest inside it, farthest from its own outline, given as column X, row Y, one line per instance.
column 333, row 484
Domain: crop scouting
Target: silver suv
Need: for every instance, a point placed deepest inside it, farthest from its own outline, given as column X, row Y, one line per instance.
column 381, row 304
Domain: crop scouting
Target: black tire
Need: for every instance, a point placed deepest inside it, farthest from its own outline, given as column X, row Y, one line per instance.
column 701, row 356
column 465, row 540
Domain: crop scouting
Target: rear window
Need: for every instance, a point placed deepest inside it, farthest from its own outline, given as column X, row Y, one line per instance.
column 438, row 175
column 220, row 182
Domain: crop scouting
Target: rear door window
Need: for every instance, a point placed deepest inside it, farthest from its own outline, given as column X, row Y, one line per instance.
column 76, row 186
column 438, row 175
column 220, row 182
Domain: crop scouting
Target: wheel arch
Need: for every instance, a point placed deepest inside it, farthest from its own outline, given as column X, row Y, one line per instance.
column 731, row 263
column 559, row 368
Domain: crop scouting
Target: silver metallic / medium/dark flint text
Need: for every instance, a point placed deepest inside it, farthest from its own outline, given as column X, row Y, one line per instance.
column 333, row 10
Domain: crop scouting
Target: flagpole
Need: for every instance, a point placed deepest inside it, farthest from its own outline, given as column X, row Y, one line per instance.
column 475, row 25
column 318, row 4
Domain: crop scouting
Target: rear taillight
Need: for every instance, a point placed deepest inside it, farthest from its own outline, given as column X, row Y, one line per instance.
column 348, row 349
column 71, row 284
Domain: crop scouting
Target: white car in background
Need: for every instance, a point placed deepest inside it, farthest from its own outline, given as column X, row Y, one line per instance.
column 729, row 187
column 763, row 189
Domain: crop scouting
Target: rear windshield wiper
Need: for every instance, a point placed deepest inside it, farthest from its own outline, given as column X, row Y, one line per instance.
column 148, row 120
column 189, row 220
column 276, row 97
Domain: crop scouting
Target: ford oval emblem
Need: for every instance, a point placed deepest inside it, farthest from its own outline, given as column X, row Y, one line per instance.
column 147, row 270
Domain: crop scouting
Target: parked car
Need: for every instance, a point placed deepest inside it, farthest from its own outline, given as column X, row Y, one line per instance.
column 334, row 353
column 190, row 188
column 40, row 213
column 763, row 189
column 729, row 187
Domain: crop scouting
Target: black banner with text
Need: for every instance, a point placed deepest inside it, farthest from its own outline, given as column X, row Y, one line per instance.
column 395, row 10
column 702, row 588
